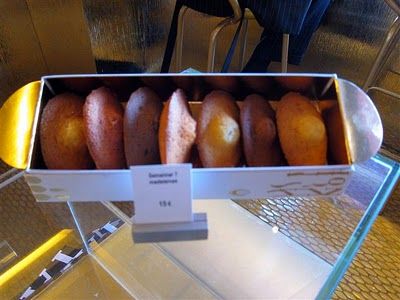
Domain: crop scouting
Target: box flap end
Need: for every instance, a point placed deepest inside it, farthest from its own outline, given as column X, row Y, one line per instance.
column 363, row 124
column 16, row 122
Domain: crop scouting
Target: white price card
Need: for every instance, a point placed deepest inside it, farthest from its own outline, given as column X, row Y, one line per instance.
column 162, row 193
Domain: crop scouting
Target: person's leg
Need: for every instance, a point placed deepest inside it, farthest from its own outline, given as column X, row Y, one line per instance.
column 298, row 44
column 270, row 46
column 262, row 54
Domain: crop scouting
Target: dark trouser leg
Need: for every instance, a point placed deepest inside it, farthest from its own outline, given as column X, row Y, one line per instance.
column 298, row 44
column 270, row 46
column 262, row 54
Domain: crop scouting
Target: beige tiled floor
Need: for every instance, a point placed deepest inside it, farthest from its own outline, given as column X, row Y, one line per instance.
column 375, row 270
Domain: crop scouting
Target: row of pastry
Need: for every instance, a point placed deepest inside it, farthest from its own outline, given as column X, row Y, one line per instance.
column 99, row 131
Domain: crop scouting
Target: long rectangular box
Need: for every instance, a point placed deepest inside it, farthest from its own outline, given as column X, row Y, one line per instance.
column 362, row 126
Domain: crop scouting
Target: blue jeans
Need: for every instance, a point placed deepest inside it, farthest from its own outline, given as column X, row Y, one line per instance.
column 270, row 46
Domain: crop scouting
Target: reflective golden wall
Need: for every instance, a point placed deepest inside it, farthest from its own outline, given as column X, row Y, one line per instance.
column 41, row 37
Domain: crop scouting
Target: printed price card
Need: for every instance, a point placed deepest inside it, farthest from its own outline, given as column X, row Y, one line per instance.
column 162, row 193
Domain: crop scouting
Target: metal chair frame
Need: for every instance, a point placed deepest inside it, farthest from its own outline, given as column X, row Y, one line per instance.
column 215, row 33
column 391, row 39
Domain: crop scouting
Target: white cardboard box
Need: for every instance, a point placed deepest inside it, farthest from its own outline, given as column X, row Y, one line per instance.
column 363, row 131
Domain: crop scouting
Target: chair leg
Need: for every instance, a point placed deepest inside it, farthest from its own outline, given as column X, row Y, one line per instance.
column 213, row 42
column 384, row 91
column 390, row 41
column 285, row 52
column 243, row 43
column 179, row 40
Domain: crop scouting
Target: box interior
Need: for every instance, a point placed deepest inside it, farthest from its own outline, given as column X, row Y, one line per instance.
column 323, row 88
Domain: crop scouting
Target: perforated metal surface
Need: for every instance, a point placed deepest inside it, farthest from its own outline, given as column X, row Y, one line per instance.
column 323, row 229
column 22, row 223
column 323, row 226
column 315, row 223
column 374, row 273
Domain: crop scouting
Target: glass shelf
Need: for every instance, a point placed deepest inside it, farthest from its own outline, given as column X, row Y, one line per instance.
column 290, row 247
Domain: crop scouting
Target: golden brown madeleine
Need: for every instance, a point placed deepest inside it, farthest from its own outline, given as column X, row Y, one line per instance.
column 103, row 115
column 218, row 131
column 259, row 133
column 141, row 124
column 295, row 83
column 177, row 131
column 62, row 134
column 336, row 137
column 301, row 131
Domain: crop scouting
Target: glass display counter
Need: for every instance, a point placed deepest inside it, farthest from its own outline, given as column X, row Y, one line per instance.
column 289, row 247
